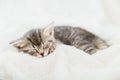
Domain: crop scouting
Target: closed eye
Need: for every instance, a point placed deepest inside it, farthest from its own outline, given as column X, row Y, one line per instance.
column 18, row 47
column 33, row 46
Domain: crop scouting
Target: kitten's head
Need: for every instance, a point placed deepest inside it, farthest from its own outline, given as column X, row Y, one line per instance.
column 37, row 42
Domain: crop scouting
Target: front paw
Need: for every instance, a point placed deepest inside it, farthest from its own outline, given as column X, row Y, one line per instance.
column 91, row 50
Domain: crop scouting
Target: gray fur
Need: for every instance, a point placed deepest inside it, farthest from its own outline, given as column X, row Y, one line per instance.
column 35, row 43
column 79, row 38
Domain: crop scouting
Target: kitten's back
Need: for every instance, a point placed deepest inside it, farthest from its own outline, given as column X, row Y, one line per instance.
column 79, row 38
column 67, row 34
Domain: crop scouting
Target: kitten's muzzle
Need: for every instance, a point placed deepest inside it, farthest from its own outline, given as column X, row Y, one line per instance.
column 42, row 54
column 39, row 52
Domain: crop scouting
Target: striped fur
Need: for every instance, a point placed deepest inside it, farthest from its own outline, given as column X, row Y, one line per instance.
column 79, row 38
column 36, row 42
column 41, row 42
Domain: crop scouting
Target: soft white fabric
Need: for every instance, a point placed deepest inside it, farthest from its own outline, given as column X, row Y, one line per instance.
column 100, row 17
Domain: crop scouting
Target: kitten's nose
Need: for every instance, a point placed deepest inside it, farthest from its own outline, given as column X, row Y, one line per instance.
column 42, row 54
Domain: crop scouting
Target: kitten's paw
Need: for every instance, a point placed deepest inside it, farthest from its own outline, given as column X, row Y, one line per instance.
column 103, row 46
column 91, row 50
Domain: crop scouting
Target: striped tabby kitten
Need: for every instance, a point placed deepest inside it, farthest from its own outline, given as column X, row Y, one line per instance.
column 37, row 42
column 41, row 42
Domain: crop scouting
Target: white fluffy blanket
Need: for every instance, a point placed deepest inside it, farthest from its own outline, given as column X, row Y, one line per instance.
column 67, row 62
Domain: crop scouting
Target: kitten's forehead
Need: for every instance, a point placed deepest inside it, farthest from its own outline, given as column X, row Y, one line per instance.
column 34, row 36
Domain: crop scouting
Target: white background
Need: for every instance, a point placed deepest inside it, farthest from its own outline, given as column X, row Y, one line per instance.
column 101, row 17
column 83, row 11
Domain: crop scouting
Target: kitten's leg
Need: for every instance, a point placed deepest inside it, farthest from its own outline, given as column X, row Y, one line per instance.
column 84, row 45
column 100, row 44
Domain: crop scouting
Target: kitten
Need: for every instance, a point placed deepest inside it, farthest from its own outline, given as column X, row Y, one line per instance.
column 37, row 42
column 41, row 42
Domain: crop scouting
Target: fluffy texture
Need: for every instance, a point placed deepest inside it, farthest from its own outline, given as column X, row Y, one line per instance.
column 79, row 38
column 67, row 63
column 36, row 42
column 41, row 42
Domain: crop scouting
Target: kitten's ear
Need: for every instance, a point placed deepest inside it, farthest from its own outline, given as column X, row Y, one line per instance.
column 49, row 30
column 19, row 43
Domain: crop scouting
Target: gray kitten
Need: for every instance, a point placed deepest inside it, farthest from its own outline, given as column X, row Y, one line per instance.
column 79, row 38
column 41, row 42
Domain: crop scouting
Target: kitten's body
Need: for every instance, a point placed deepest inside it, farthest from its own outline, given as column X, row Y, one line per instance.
column 79, row 38
column 68, row 35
